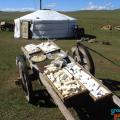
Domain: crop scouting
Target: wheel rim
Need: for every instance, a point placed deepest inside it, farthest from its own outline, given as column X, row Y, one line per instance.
column 26, row 83
column 83, row 57
column 81, row 60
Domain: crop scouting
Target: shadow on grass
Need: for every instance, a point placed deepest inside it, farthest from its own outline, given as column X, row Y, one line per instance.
column 87, row 109
column 85, row 37
column 43, row 99
column 40, row 97
column 89, row 36
column 82, row 107
column 111, row 84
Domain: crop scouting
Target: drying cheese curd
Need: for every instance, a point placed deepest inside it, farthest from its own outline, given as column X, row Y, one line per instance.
column 65, row 83
column 95, row 88
column 37, row 58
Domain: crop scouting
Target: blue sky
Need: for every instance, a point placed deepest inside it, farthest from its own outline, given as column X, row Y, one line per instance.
column 64, row 5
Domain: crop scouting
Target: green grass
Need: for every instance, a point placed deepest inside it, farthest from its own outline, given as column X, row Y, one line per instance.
column 106, row 58
column 12, row 102
column 10, row 16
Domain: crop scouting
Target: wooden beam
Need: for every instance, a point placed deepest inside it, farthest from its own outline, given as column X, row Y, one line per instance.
column 56, row 98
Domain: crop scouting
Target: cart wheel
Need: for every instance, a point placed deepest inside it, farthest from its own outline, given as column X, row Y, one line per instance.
column 81, row 55
column 24, row 75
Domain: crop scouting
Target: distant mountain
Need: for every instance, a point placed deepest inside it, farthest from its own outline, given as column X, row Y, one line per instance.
column 77, row 11
column 117, row 9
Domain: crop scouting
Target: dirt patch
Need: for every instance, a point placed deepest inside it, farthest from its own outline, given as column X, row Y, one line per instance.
column 107, row 27
column 117, row 59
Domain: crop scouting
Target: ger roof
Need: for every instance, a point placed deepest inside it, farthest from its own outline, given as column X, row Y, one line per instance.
column 46, row 15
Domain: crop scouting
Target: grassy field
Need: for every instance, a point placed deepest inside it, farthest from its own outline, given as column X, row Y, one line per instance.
column 106, row 58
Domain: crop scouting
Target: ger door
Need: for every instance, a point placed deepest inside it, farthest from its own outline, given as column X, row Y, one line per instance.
column 25, row 30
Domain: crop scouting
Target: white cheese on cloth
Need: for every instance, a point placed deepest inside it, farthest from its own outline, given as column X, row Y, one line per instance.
column 47, row 47
column 31, row 48
column 86, row 79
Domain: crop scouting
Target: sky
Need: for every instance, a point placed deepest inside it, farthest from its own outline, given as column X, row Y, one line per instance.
column 60, row 5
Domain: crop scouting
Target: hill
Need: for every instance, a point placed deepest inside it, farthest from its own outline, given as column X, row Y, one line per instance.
column 10, row 16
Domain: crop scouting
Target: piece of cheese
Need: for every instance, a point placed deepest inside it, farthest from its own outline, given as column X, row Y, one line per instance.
column 66, row 72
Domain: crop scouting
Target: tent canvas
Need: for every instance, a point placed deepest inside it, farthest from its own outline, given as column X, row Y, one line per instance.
column 46, row 24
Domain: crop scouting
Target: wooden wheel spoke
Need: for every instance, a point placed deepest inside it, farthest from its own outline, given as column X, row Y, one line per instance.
column 83, row 57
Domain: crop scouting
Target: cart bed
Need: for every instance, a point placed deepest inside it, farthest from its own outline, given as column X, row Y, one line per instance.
column 40, row 66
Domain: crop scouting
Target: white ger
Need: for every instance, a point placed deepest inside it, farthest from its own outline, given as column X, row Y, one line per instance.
column 44, row 24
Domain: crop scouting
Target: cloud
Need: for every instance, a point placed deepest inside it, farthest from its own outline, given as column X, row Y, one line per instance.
column 51, row 5
column 28, row 9
column 93, row 6
column 18, row 9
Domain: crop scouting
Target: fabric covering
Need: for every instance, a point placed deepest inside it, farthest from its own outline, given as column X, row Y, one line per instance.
column 46, row 24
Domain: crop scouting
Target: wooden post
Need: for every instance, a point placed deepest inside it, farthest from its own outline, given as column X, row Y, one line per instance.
column 40, row 4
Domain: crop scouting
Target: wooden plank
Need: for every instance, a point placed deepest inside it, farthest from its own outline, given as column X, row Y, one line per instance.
column 100, row 98
column 40, row 68
column 56, row 98
column 116, row 100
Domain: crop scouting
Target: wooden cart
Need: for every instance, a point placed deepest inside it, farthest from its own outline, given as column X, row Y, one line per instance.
column 38, row 69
